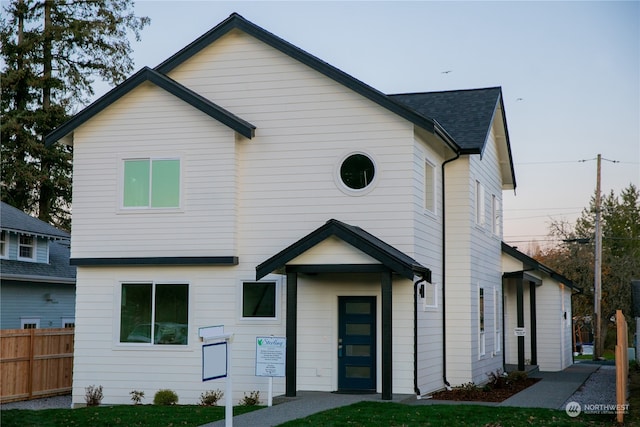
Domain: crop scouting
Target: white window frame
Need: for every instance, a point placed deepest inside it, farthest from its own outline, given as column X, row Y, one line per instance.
column 121, row 183
column 4, row 244
column 430, row 187
column 24, row 321
column 277, row 291
column 33, row 246
column 497, row 321
column 479, row 204
column 482, row 316
column 67, row 321
column 495, row 215
column 432, row 290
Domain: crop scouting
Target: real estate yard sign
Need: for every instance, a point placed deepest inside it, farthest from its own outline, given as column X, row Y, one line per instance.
column 270, row 356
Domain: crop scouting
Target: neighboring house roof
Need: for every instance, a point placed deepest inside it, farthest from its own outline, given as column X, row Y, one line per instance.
column 532, row 263
column 13, row 219
column 466, row 114
column 58, row 270
column 386, row 254
column 146, row 74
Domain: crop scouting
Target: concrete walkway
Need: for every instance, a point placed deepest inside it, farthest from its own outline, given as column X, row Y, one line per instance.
column 552, row 391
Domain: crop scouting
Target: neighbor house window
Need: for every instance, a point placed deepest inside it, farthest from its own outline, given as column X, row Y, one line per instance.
column 151, row 183
column 259, row 299
column 481, row 323
column 29, row 323
column 4, row 244
column 429, row 187
column 479, row 203
column 154, row 313
column 357, row 171
column 26, row 247
column 68, row 322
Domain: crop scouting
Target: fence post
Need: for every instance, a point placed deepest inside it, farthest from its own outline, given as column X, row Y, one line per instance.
column 622, row 365
column 32, row 344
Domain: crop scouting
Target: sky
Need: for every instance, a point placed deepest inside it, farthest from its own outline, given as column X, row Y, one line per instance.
column 569, row 72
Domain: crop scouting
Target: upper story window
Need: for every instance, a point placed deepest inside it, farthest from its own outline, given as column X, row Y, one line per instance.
column 357, row 171
column 479, row 207
column 154, row 313
column 429, row 186
column 26, row 247
column 495, row 215
column 151, row 183
column 4, row 244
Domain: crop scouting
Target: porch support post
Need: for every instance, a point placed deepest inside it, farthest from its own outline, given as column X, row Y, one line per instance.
column 292, row 333
column 534, row 332
column 387, row 345
column 520, row 320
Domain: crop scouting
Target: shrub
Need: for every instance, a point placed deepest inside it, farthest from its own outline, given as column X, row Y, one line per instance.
column 252, row 399
column 93, row 395
column 136, row 396
column 497, row 379
column 165, row 397
column 210, row 397
column 517, row 376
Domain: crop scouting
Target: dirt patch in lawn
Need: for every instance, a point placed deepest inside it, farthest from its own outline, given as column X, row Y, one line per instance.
column 497, row 390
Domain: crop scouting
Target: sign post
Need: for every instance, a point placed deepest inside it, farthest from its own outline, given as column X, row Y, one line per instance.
column 270, row 360
column 215, row 363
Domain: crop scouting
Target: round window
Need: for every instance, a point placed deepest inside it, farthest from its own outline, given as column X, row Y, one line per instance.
column 357, row 171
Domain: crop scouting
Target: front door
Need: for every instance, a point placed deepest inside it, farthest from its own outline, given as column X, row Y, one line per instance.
column 357, row 344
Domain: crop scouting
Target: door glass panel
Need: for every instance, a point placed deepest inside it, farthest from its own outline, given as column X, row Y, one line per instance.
column 359, row 350
column 357, row 308
column 358, row 329
column 358, row 371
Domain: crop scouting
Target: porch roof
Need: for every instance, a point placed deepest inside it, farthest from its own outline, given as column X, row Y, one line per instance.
column 386, row 254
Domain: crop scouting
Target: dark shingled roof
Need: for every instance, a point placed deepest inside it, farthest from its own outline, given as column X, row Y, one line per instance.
column 58, row 270
column 13, row 219
column 466, row 114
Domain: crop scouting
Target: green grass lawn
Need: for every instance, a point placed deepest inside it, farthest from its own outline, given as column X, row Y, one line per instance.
column 364, row 414
column 367, row 414
column 124, row 415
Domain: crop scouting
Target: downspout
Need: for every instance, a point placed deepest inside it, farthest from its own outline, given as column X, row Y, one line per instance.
column 444, row 266
column 416, row 389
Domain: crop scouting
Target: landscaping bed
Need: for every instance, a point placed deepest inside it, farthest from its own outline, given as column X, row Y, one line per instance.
column 500, row 387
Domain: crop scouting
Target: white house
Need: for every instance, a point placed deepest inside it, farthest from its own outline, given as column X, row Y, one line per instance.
column 244, row 182
column 537, row 313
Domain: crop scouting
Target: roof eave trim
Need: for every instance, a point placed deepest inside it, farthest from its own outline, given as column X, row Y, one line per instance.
column 39, row 279
column 235, row 21
column 147, row 74
column 159, row 261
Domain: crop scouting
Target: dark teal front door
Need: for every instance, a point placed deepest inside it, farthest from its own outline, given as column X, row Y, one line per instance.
column 357, row 344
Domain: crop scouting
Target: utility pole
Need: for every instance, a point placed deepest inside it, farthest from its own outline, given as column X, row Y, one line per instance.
column 597, row 281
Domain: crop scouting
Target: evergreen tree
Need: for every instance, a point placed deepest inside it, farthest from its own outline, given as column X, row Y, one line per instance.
column 51, row 52
column 620, row 219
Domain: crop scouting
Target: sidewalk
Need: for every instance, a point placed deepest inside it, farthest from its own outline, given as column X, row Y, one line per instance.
column 552, row 391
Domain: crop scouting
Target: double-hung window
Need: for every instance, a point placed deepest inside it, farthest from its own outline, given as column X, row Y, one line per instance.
column 151, row 183
column 26, row 247
column 429, row 186
column 4, row 244
column 154, row 313
column 480, row 214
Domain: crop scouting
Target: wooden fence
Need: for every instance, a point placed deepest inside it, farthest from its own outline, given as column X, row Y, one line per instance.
column 35, row 363
column 622, row 365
